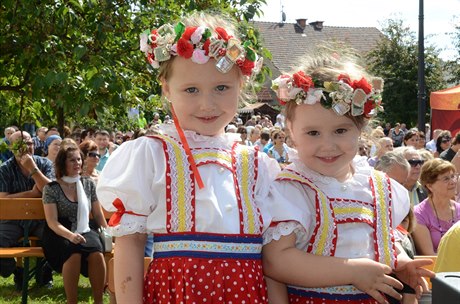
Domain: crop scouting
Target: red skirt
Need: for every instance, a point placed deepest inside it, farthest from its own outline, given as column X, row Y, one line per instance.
column 205, row 268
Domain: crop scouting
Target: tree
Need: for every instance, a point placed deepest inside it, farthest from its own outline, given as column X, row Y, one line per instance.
column 76, row 60
column 395, row 59
column 453, row 66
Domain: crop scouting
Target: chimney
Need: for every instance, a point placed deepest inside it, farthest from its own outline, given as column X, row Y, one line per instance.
column 317, row 25
column 300, row 25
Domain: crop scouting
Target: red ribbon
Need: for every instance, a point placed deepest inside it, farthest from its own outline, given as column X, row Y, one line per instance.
column 116, row 217
column 191, row 160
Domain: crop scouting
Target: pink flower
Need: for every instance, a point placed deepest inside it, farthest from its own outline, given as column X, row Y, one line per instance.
column 199, row 56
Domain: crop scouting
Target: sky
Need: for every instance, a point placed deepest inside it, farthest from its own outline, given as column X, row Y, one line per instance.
column 439, row 16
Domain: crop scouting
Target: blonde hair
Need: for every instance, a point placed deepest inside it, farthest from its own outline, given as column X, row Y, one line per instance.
column 326, row 64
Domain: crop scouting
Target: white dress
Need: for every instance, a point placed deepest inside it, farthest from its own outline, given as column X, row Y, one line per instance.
column 149, row 182
column 351, row 233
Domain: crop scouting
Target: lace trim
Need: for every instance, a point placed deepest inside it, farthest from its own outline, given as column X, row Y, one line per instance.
column 129, row 224
column 223, row 140
column 274, row 233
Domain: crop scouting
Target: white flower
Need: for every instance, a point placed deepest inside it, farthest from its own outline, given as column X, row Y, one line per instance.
column 199, row 56
column 144, row 46
column 197, row 34
column 173, row 49
column 155, row 64
column 313, row 96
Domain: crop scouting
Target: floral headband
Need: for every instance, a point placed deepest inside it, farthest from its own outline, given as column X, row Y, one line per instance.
column 342, row 96
column 199, row 45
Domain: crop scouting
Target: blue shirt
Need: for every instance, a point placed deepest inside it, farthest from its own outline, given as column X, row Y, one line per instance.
column 103, row 160
column 13, row 181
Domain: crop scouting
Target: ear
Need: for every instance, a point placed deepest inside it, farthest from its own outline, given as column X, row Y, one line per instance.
column 165, row 89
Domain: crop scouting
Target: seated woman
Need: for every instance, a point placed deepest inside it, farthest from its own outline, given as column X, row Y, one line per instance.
column 71, row 245
column 437, row 213
column 91, row 159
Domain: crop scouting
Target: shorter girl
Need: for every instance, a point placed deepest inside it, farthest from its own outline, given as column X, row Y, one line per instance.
column 332, row 241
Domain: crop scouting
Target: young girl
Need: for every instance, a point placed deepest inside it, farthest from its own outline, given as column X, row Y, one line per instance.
column 332, row 240
column 194, row 187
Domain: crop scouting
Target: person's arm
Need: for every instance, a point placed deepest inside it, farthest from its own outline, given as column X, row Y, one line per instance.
column 30, row 166
column 422, row 240
column 51, row 216
column 277, row 292
column 129, row 277
column 34, row 193
column 283, row 262
column 98, row 214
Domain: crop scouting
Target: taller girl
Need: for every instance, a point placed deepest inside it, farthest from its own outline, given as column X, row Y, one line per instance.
column 333, row 241
column 192, row 186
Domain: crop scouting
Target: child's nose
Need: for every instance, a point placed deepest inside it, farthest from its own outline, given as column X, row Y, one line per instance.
column 207, row 102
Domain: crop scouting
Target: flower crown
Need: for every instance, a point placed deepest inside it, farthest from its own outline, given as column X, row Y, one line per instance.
column 342, row 96
column 198, row 44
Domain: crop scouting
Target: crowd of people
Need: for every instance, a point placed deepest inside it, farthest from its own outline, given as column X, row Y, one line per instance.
column 339, row 208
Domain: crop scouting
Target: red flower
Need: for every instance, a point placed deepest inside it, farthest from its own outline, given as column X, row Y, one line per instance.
column 184, row 48
column 368, row 107
column 150, row 57
column 282, row 102
column 206, row 46
column 222, row 33
column 345, row 78
column 303, row 81
column 246, row 67
column 362, row 84
column 188, row 32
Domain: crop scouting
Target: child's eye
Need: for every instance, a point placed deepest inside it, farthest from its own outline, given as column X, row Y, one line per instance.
column 191, row 90
column 221, row 88
column 341, row 131
column 313, row 133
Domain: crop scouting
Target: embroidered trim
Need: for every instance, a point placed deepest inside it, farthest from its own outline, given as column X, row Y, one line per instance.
column 324, row 238
column 245, row 164
column 385, row 250
column 180, row 187
column 275, row 232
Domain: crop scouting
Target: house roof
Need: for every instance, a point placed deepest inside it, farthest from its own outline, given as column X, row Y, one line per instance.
column 288, row 41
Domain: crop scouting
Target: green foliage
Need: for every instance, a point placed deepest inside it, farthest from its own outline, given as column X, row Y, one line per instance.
column 395, row 59
column 83, row 57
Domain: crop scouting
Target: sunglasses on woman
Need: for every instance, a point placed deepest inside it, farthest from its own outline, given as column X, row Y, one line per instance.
column 94, row 154
column 415, row 162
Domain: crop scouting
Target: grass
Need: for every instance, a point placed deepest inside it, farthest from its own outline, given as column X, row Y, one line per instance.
column 42, row 295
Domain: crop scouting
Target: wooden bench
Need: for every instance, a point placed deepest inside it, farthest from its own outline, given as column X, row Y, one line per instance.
column 27, row 209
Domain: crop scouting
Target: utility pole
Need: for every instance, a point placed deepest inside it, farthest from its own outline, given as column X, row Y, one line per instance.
column 421, row 71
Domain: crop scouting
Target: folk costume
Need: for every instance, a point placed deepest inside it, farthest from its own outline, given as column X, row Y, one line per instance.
column 351, row 219
column 207, row 242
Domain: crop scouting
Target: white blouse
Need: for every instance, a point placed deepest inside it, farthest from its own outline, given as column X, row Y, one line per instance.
column 135, row 174
column 297, row 212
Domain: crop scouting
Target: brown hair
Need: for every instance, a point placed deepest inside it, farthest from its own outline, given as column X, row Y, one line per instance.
column 61, row 157
column 432, row 169
column 86, row 146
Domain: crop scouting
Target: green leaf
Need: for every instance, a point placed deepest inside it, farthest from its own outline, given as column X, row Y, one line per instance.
column 79, row 51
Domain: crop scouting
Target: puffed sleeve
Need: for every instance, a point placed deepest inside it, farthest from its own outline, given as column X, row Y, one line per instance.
column 125, row 184
column 400, row 201
column 292, row 206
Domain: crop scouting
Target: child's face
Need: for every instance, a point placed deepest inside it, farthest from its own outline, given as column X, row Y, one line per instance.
column 204, row 99
column 326, row 142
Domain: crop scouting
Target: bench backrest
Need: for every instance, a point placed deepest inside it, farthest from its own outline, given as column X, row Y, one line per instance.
column 26, row 209
column 21, row 209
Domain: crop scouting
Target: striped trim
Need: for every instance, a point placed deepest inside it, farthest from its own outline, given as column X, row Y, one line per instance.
column 179, row 217
column 383, row 234
column 208, row 246
column 339, row 293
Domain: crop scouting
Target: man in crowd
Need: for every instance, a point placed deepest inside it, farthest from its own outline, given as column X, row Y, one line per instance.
column 23, row 175
column 105, row 147
column 4, row 156
column 39, row 141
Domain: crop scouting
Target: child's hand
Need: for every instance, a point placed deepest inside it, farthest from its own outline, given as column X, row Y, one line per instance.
column 373, row 278
column 412, row 273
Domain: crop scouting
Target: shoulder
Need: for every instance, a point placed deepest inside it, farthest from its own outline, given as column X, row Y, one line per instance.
column 43, row 161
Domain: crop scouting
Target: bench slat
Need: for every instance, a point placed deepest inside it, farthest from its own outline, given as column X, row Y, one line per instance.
column 21, row 209
column 13, row 252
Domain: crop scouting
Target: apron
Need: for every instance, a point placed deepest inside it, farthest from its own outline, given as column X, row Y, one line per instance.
column 198, row 267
